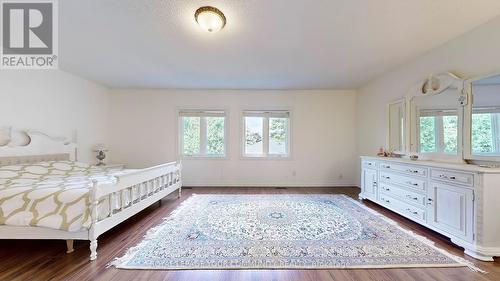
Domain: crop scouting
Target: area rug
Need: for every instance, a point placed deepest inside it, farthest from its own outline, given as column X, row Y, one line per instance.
column 281, row 232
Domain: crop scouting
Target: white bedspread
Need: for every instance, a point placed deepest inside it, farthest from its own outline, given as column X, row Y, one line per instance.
column 53, row 194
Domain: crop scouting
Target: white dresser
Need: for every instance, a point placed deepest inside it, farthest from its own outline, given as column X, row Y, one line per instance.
column 459, row 201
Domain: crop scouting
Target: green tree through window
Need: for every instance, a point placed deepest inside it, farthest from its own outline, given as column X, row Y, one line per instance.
column 427, row 134
column 203, row 133
column 191, row 135
column 215, row 135
column 450, row 133
column 438, row 132
column 482, row 133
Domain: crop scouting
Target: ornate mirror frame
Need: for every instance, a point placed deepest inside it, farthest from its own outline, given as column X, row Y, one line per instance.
column 434, row 85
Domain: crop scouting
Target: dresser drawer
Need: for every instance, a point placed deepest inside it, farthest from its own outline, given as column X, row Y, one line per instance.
column 369, row 164
column 453, row 177
column 403, row 194
column 406, row 169
column 403, row 208
column 414, row 183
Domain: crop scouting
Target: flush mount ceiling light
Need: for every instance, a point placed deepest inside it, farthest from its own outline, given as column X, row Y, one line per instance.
column 210, row 19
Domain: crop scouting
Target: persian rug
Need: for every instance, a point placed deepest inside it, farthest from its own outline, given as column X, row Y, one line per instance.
column 281, row 232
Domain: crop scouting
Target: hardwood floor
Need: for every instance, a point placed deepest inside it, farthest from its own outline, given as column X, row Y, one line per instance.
column 47, row 260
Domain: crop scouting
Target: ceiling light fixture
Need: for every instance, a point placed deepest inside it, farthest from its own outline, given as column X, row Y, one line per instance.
column 210, row 19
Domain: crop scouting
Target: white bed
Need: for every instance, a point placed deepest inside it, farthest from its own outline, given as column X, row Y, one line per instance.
column 109, row 197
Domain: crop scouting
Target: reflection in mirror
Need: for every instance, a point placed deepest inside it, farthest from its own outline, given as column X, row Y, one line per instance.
column 485, row 125
column 437, row 122
column 397, row 127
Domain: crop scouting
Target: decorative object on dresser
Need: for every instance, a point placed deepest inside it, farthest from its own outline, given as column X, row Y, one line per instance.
column 94, row 201
column 101, row 153
column 281, row 231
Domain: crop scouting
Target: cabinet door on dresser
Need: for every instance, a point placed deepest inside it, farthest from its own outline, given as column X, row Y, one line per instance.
column 450, row 209
column 370, row 183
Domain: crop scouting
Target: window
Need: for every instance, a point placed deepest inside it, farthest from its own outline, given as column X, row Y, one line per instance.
column 266, row 133
column 438, row 131
column 485, row 131
column 202, row 133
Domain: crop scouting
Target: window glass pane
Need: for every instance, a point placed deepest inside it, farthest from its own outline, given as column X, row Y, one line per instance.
column 191, row 135
column 215, row 135
column 278, row 133
column 450, row 133
column 254, row 135
column 482, row 133
column 428, row 134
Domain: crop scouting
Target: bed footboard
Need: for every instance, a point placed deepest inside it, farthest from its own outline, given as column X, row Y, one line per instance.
column 142, row 188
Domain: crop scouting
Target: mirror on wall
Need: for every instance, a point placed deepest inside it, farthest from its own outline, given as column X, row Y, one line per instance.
column 397, row 120
column 485, row 118
column 436, row 118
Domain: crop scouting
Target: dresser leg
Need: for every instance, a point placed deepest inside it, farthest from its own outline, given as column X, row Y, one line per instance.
column 479, row 256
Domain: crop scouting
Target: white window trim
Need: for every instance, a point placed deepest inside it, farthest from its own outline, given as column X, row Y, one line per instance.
column 203, row 127
column 266, row 114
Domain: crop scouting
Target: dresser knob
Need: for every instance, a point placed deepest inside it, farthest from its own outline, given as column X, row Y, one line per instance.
column 413, row 212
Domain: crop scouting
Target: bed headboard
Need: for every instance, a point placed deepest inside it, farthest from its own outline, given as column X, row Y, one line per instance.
column 28, row 146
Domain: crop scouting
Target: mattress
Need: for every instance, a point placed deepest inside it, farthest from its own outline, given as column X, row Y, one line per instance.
column 55, row 194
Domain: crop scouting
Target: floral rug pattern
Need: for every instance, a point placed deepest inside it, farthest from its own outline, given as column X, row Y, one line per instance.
column 280, row 231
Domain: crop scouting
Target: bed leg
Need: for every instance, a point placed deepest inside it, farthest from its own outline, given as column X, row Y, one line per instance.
column 180, row 192
column 93, row 249
column 69, row 245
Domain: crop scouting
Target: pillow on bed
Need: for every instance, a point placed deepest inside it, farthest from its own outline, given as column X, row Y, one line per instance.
column 5, row 135
column 47, row 172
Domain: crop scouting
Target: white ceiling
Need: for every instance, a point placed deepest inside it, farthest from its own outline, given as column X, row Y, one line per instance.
column 266, row 44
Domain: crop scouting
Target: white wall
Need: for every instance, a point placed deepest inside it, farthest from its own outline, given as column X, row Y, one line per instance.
column 144, row 122
column 472, row 54
column 57, row 103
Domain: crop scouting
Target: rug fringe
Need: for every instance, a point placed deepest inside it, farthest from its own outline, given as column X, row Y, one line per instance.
column 421, row 238
column 150, row 234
